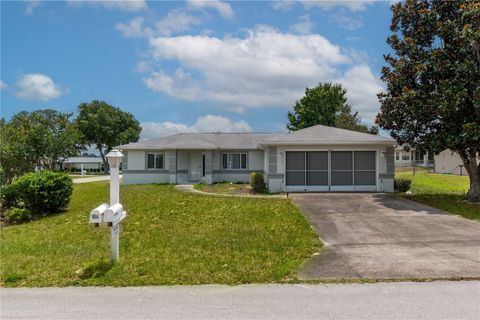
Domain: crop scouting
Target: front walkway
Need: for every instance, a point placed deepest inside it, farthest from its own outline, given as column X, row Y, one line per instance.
column 189, row 188
column 380, row 236
column 92, row 179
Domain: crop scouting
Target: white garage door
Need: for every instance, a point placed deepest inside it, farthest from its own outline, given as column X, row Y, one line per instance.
column 330, row 170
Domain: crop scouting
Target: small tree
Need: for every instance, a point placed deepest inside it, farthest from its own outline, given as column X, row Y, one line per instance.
column 325, row 104
column 106, row 126
column 432, row 100
column 40, row 138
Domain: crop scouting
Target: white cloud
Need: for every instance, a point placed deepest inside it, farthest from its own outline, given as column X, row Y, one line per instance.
column 134, row 28
column 352, row 5
column 283, row 5
column 3, row 85
column 345, row 20
column 265, row 68
column 177, row 20
column 37, row 86
column 223, row 8
column 208, row 123
column 362, row 88
column 123, row 5
column 303, row 26
column 30, row 6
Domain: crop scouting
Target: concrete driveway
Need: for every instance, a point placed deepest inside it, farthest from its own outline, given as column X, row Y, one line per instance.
column 380, row 236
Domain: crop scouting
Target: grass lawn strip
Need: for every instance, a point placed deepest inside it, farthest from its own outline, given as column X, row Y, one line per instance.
column 445, row 192
column 168, row 238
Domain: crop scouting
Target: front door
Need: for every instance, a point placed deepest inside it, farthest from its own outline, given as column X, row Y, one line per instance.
column 194, row 166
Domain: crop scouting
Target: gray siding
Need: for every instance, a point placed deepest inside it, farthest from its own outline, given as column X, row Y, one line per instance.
column 390, row 157
column 272, row 160
column 125, row 161
column 172, row 161
column 208, row 162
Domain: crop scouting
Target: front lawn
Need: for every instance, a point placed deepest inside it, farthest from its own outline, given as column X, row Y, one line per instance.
column 442, row 191
column 168, row 238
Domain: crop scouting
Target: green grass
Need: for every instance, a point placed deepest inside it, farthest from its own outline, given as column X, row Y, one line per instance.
column 432, row 183
column 442, row 191
column 168, row 238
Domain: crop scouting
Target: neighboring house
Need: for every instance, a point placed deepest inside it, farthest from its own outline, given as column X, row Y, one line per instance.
column 75, row 164
column 412, row 158
column 449, row 162
column 318, row 158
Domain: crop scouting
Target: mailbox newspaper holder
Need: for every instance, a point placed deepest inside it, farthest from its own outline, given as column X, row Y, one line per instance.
column 111, row 215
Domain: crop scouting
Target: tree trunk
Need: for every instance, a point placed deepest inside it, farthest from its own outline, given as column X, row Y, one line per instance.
column 473, row 169
column 104, row 159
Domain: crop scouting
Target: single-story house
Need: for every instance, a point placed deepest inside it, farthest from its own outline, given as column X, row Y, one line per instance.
column 318, row 158
column 412, row 158
column 449, row 162
column 88, row 163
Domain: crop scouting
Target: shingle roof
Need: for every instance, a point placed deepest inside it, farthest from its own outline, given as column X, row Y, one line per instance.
column 321, row 135
column 316, row 135
column 239, row 141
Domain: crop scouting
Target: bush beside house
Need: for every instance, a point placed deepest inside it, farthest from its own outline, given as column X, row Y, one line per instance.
column 402, row 184
column 257, row 182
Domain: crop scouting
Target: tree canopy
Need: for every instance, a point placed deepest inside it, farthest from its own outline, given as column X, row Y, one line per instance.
column 106, row 126
column 432, row 101
column 40, row 138
column 326, row 104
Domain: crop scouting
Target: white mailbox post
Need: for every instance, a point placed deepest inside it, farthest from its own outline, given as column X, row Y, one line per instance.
column 112, row 215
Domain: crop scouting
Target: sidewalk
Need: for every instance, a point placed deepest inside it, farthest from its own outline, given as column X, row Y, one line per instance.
column 92, row 179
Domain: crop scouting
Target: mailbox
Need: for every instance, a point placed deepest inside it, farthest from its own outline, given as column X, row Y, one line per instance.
column 96, row 215
column 113, row 214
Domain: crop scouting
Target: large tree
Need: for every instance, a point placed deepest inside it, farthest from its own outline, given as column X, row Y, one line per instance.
column 326, row 104
column 105, row 126
column 432, row 101
column 41, row 138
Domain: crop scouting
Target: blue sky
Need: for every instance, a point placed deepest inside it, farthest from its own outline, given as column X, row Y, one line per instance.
column 190, row 66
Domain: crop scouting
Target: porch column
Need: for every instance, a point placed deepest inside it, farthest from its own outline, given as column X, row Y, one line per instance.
column 208, row 166
column 172, row 166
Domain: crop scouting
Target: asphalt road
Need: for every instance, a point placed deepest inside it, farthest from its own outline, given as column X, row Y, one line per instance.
column 401, row 300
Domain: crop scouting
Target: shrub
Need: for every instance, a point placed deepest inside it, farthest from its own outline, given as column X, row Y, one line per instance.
column 9, row 196
column 257, row 182
column 45, row 191
column 16, row 216
column 402, row 184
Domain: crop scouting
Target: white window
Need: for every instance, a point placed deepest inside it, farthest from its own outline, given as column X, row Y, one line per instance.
column 234, row 161
column 155, row 161
column 406, row 156
column 397, row 155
